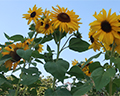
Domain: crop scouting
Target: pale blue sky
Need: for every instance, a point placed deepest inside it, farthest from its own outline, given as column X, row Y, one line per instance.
column 12, row 23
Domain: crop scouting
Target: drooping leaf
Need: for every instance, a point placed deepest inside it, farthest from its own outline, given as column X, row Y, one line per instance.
column 79, row 45
column 57, row 69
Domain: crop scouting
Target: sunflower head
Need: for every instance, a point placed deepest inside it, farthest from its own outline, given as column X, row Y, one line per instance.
column 33, row 14
column 106, row 27
column 12, row 51
column 39, row 48
column 64, row 19
column 44, row 26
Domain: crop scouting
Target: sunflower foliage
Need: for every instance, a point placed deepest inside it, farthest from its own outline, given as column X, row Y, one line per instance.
column 24, row 54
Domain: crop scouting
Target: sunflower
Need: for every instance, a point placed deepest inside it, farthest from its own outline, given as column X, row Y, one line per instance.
column 44, row 26
column 64, row 19
column 40, row 48
column 74, row 62
column 95, row 44
column 85, row 69
column 27, row 42
column 33, row 14
column 11, row 50
column 106, row 27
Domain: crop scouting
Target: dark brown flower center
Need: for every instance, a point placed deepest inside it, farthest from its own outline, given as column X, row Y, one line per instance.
column 91, row 39
column 41, row 23
column 105, row 26
column 33, row 14
column 14, row 55
column 46, row 26
column 63, row 17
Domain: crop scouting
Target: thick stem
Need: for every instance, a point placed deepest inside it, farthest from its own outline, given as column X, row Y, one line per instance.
column 112, row 53
column 110, row 87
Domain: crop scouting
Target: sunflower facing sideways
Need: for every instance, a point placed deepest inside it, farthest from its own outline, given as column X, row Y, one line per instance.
column 64, row 19
column 11, row 50
column 85, row 69
column 44, row 26
column 33, row 14
column 95, row 44
column 105, row 27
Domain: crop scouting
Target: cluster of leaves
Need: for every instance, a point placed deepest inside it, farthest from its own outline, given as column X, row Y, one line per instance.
column 100, row 80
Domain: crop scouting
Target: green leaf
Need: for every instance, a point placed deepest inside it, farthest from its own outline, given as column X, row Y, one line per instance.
column 57, row 69
column 17, row 38
column 101, row 77
column 48, row 48
column 78, row 45
column 3, row 80
column 37, row 60
column 117, row 81
column 36, row 54
column 107, row 55
column 30, row 75
column 90, row 59
column 83, row 89
column 116, row 62
column 31, row 34
column 76, row 71
column 46, row 38
column 11, row 93
column 15, row 79
column 32, row 27
column 114, row 88
column 24, row 54
column 6, row 36
column 58, row 92
column 94, row 66
column 4, row 58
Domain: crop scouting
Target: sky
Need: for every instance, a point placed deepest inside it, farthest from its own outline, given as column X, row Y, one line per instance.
column 12, row 23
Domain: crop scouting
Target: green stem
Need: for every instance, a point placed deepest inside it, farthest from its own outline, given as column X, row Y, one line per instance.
column 18, row 85
column 54, row 84
column 103, row 46
column 58, row 53
column 66, row 43
column 112, row 53
column 110, row 87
